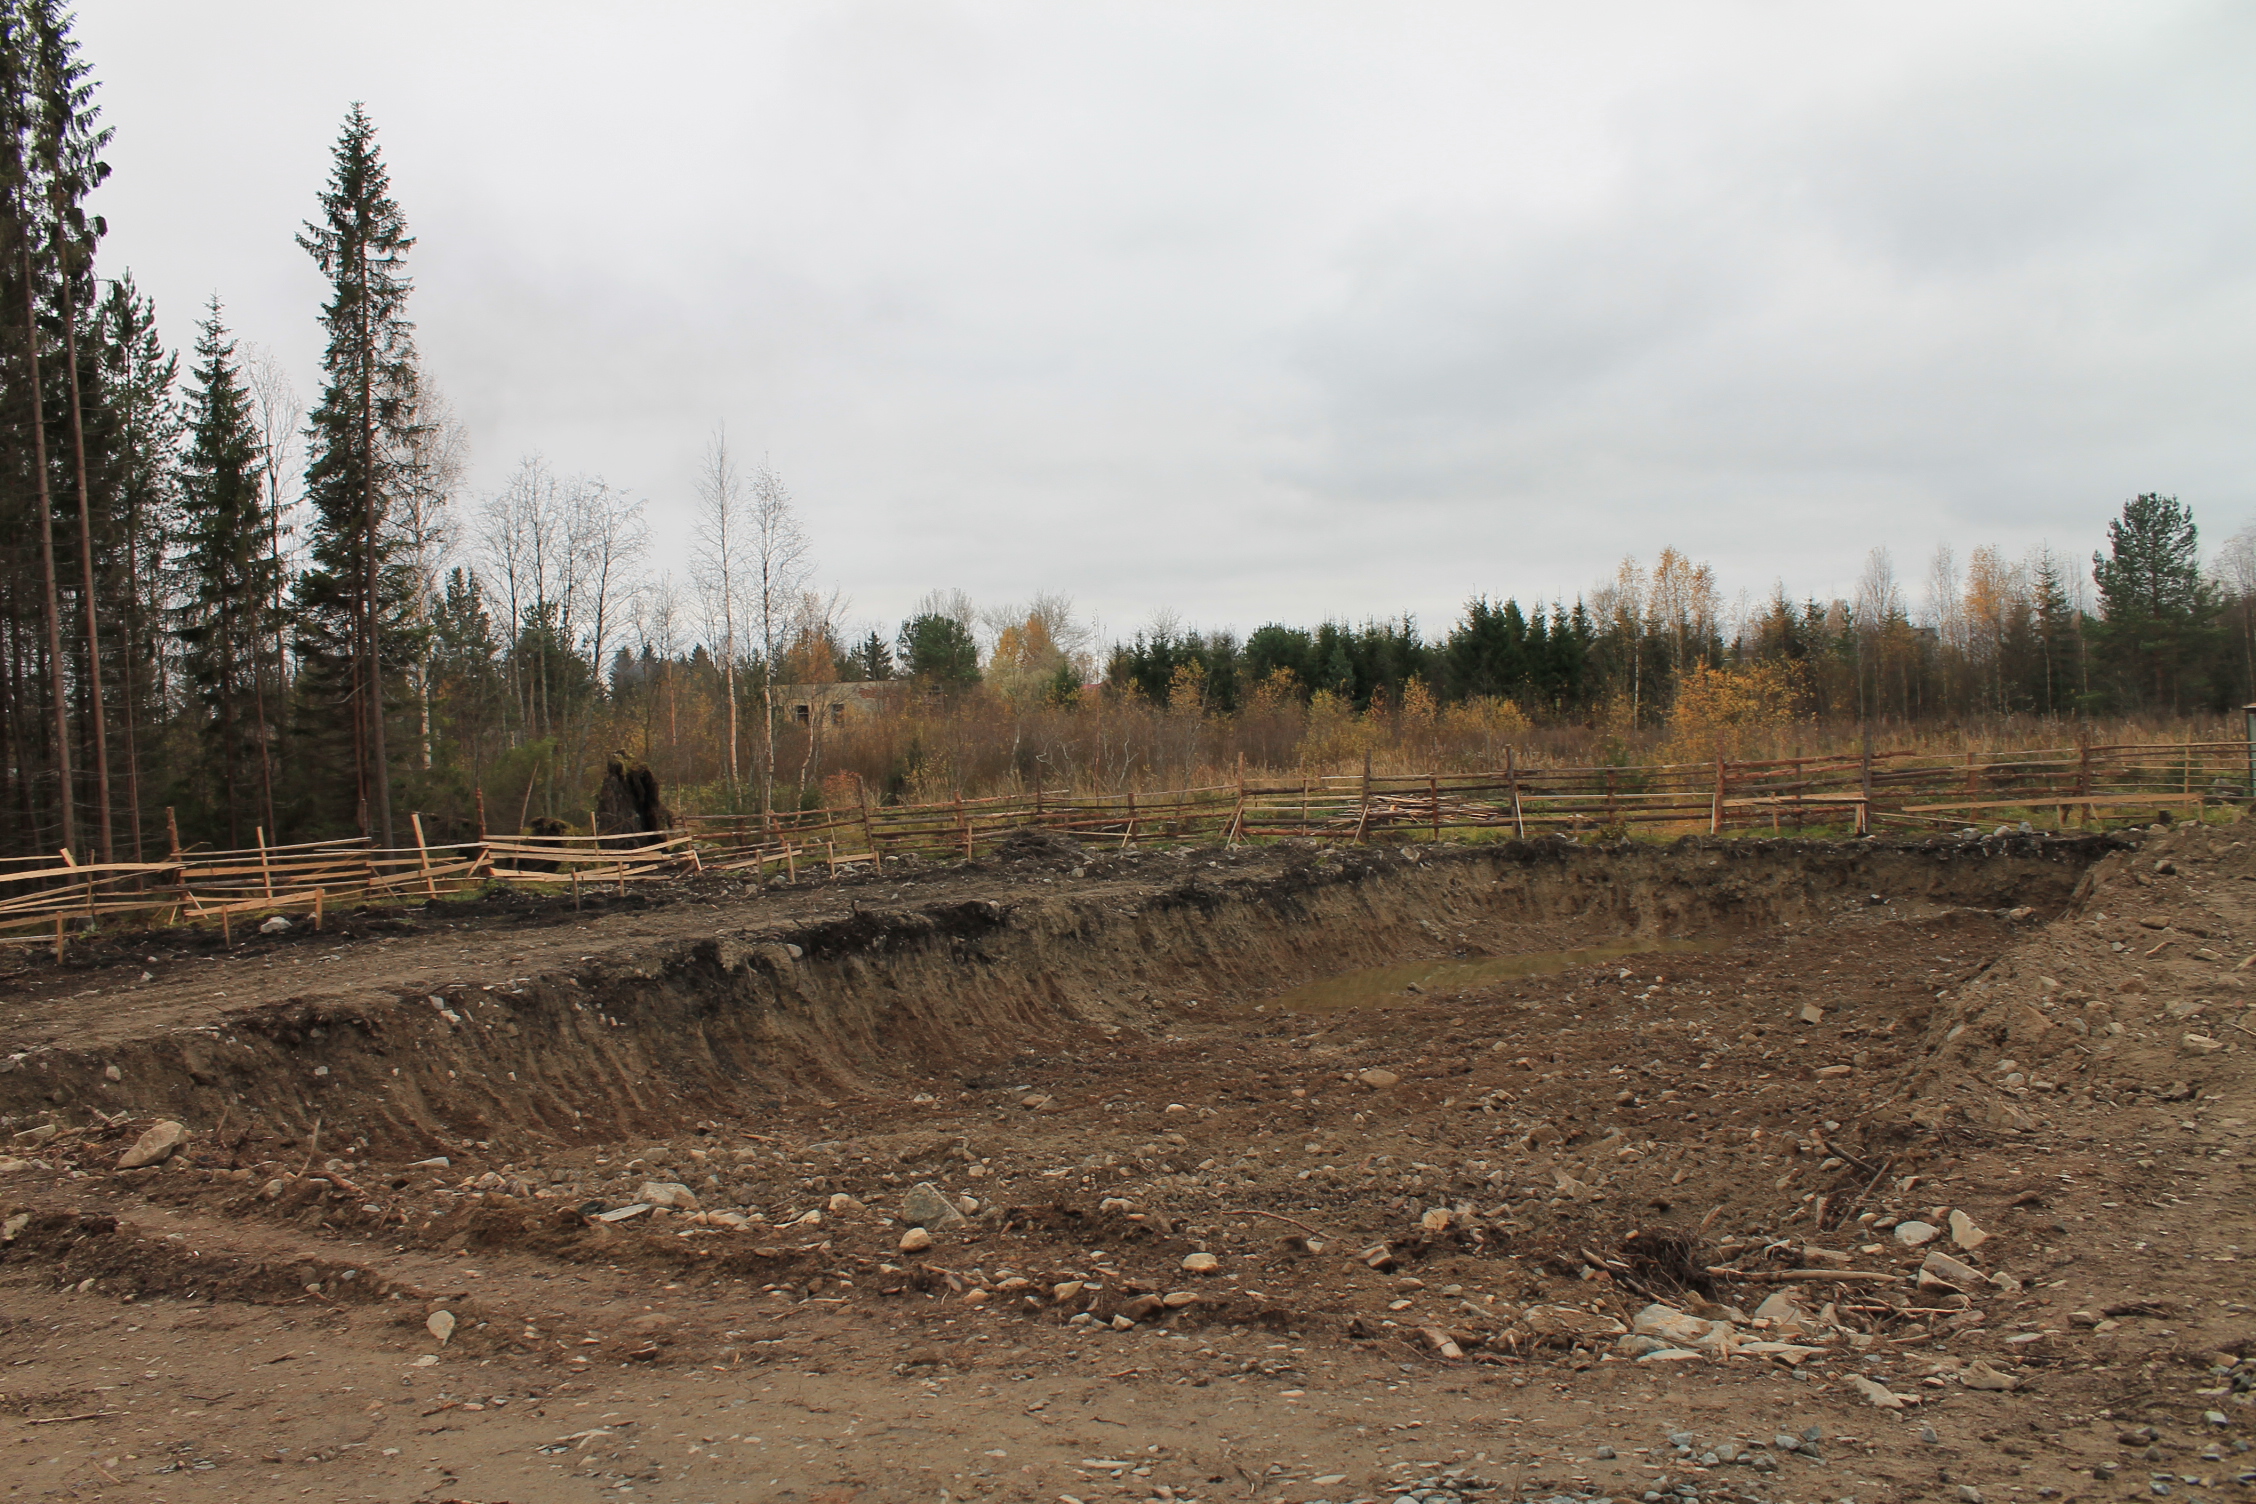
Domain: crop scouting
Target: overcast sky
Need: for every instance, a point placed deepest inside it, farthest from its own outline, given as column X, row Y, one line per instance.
column 1269, row 312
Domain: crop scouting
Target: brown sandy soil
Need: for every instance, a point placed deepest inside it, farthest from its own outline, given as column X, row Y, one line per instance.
column 1118, row 1071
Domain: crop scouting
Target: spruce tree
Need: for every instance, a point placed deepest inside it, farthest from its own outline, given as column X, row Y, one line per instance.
column 225, row 583
column 350, row 601
column 141, row 416
column 2056, row 636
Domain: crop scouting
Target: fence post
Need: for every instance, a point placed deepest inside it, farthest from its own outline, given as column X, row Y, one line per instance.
column 2084, row 776
column 963, row 822
column 172, row 827
column 1512, row 780
column 1363, row 816
column 1715, row 807
column 422, row 855
column 1129, row 834
column 869, row 832
column 1433, row 792
column 266, row 867
column 1237, row 814
column 482, row 837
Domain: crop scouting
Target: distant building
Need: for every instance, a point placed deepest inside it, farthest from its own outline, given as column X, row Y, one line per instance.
column 836, row 704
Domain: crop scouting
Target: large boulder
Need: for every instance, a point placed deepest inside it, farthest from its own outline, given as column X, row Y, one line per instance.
column 154, row 1147
column 926, row 1206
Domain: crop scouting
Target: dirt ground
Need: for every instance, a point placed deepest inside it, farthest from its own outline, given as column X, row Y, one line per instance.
column 1277, row 1175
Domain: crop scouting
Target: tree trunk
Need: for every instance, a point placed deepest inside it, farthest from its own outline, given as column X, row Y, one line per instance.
column 728, row 688
column 379, row 764
column 86, row 560
column 767, row 767
column 53, row 603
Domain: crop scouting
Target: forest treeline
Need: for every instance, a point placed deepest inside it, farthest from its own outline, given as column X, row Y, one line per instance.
column 230, row 614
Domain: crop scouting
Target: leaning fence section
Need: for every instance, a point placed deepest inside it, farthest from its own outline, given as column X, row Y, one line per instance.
column 2059, row 788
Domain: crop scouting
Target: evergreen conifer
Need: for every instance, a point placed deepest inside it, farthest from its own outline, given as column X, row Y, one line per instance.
column 352, row 600
column 225, row 583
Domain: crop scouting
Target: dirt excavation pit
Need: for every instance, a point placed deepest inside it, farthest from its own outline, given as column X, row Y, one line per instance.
column 1748, row 1170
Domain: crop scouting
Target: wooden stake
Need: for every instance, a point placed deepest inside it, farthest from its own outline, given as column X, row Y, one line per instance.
column 1433, row 791
column 423, row 855
column 318, row 895
column 869, row 832
column 58, row 939
column 266, row 867
column 1363, row 815
column 1237, row 815
column 2083, row 776
column 226, row 929
column 481, row 814
column 1512, row 778
column 172, row 829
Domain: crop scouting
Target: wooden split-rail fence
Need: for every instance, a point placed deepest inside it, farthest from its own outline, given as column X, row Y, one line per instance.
column 1863, row 792
column 2056, row 789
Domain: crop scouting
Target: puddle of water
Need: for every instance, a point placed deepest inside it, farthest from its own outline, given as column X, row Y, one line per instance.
column 1383, row 986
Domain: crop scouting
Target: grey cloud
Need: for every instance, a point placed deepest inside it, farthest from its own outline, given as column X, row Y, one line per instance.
column 1262, row 312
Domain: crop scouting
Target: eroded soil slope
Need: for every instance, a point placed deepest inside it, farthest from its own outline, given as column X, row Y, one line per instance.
column 1432, row 1214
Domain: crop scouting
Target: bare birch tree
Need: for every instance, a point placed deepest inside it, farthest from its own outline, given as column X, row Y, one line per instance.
column 1879, row 603
column 279, row 413
column 516, row 539
column 657, row 616
column 722, row 540
column 607, row 539
column 438, row 450
column 780, row 573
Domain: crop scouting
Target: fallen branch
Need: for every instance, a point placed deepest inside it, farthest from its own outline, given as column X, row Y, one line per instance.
column 56, row 1420
column 1247, row 1211
column 1847, row 1211
column 1805, row 1276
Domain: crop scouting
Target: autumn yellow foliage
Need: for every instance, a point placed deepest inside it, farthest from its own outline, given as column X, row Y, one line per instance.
column 1721, row 711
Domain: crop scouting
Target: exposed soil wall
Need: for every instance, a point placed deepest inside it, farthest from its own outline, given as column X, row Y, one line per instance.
column 639, row 1039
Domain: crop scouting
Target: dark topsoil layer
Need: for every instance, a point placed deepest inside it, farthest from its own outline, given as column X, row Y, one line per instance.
column 517, row 1012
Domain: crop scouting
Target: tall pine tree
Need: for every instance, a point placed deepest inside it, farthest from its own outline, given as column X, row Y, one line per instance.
column 28, row 246
column 70, row 143
column 350, row 601
column 2157, row 610
column 225, row 585
column 142, row 433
